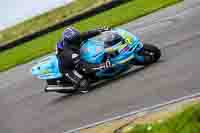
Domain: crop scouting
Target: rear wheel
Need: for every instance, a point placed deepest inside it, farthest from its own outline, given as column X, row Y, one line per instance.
column 66, row 91
column 151, row 54
column 51, row 82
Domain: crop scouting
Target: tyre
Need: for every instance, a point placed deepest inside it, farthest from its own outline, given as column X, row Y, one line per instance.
column 51, row 82
column 66, row 91
column 151, row 54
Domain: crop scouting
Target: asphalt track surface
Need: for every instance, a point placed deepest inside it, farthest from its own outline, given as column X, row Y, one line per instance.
column 25, row 108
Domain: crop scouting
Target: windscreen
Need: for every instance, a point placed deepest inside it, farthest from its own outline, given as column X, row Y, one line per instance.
column 104, row 36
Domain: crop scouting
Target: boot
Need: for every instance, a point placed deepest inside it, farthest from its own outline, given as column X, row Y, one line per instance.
column 84, row 85
column 80, row 83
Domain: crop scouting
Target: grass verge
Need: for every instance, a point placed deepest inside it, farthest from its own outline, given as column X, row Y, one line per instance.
column 47, row 19
column 46, row 44
column 186, row 121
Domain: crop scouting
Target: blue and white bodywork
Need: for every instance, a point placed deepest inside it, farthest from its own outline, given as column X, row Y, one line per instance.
column 93, row 51
column 47, row 68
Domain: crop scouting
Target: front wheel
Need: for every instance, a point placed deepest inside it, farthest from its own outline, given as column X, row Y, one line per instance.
column 150, row 53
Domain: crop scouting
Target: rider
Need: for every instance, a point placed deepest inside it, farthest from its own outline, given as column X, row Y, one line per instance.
column 68, row 53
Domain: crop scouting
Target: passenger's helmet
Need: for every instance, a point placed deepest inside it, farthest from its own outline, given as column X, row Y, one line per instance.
column 111, row 38
column 71, row 35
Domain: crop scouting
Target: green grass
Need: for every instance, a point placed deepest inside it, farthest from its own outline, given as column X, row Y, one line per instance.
column 46, row 44
column 187, row 121
column 47, row 19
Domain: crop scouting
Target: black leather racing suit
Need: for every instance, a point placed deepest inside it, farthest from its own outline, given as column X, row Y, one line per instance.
column 69, row 56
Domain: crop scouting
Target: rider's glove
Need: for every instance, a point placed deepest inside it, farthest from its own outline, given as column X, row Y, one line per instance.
column 85, row 67
column 105, row 28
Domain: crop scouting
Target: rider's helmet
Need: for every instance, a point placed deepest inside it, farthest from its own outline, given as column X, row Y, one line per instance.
column 111, row 38
column 71, row 35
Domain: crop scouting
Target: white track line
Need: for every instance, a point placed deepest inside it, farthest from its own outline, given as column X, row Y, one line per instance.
column 144, row 110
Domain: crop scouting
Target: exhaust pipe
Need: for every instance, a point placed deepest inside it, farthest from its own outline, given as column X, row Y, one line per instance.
column 53, row 88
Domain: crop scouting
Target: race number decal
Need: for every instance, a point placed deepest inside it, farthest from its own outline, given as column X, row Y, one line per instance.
column 108, row 64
